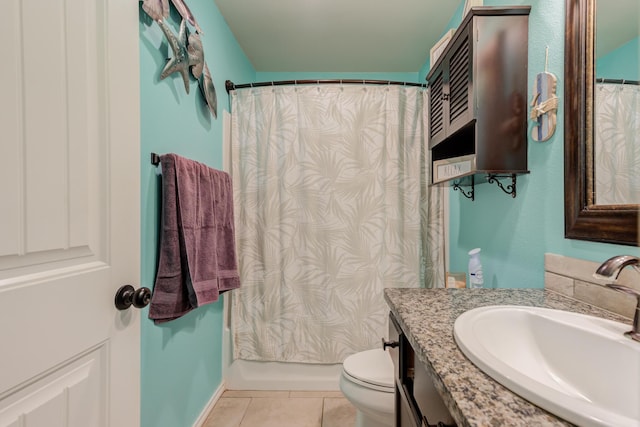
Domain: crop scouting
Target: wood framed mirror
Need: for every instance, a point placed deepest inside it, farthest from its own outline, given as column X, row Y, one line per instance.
column 585, row 219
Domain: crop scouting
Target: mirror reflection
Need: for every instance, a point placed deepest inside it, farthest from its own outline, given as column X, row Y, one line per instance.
column 617, row 103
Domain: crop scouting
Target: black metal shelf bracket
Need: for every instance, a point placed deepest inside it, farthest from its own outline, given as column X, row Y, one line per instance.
column 510, row 189
column 468, row 195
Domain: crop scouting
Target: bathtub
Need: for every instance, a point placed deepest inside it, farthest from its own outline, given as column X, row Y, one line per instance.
column 251, row 375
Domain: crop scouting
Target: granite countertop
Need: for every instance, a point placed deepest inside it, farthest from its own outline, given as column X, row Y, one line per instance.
column 473, row 398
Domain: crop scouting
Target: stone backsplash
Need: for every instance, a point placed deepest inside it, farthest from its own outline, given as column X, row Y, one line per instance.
column 574, row 278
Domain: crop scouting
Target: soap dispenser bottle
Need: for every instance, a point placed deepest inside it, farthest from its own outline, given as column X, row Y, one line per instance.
column 476, row 279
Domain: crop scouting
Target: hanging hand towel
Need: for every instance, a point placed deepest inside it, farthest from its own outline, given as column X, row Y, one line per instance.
column 228, row 278
column 170, row 298
column 197, row 208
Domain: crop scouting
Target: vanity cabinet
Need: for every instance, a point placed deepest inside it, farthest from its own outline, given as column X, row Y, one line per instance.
column 478, row 97
column 417, row 402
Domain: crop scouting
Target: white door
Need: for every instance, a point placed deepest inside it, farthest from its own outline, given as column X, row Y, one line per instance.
column 69, row 215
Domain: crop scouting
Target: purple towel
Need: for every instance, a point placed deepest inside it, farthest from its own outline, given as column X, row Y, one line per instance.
column 227, row 266
column 197, row 250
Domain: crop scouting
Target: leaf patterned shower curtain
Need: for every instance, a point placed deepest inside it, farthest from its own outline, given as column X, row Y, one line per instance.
column 331, row 207
column 617, row 151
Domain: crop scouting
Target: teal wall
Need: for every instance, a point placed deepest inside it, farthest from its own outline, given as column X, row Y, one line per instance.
column 622, row 63
column 514, row 234
column 181, row 361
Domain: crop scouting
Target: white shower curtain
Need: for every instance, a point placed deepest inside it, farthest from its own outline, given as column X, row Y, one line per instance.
column 617, row 151
column 331, row 207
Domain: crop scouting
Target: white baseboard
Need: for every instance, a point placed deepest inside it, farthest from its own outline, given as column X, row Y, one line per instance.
column 209, row 406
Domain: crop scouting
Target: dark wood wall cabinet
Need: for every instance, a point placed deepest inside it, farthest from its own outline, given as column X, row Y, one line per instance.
column 478, row 100
column 418, row 403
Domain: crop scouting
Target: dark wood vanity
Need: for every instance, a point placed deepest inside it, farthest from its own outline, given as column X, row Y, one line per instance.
column 417, row 402
column 426, row 356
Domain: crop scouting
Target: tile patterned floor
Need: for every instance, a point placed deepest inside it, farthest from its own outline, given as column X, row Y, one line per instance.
column 282, row 409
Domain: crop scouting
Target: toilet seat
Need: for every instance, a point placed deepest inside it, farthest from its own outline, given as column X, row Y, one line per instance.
column 372, row 369
column 368, row 385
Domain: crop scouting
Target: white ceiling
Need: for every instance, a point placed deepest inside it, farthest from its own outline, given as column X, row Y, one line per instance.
column 616, row 23
column 337, row 35
column 370, row 35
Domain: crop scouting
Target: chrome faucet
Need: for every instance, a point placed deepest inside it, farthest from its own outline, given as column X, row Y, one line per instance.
column 610, row 269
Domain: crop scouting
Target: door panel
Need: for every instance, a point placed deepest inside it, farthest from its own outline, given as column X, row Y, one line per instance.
column 71, row 396
column 51, row 107
column 69, row 225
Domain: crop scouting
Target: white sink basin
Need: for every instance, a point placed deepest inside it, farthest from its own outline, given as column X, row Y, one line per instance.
column 578, row 367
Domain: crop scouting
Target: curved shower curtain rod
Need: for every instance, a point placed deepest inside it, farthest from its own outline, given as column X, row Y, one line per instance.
column 618, row 81
column 229, row 85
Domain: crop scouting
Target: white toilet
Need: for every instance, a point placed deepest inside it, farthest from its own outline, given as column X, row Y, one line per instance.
column 367, row 382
